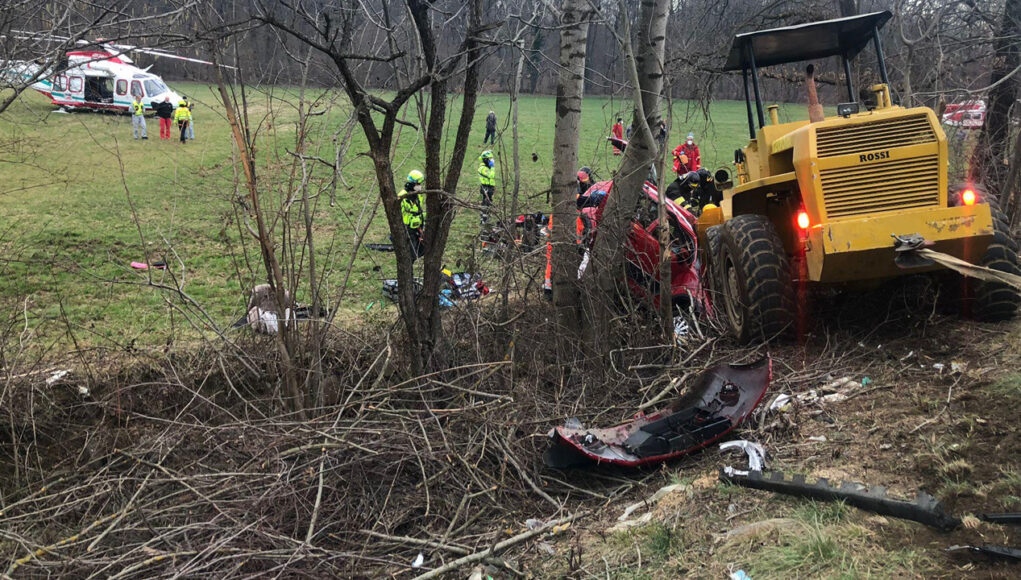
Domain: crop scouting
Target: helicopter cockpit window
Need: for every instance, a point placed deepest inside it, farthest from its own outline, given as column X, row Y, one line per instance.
column 136, row 89
column 154, row 87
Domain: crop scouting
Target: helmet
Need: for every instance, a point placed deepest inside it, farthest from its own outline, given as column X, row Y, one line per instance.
column 182, row 104
column 692, row 178
column 584, row 174
column 415, row 176
column 691, row 136
column 487, row 154
column 704, row 175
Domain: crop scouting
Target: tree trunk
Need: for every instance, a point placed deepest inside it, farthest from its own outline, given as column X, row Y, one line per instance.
column 646, row 72
column 516, row 188
column 987, row 165
column 570, row 91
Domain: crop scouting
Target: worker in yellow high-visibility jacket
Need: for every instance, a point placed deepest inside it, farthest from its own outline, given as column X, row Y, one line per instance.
column 182, row 116
column 487, row 183
column 138, row 118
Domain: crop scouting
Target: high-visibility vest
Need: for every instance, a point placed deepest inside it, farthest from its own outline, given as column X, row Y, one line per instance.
column 412, row 212
column 487, row 175
column 182, row 114
column 137, row 107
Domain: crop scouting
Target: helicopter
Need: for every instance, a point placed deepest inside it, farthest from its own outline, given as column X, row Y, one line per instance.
column 99, row 76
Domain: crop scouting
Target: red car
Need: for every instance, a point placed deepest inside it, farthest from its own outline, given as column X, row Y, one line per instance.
column 643, row 248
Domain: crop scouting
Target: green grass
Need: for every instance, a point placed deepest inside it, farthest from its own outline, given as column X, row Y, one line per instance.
column 67, row 233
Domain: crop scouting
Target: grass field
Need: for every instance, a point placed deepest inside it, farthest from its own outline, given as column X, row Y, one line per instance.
column 68, row 183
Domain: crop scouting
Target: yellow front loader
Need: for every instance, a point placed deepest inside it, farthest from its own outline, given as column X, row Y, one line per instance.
column 844, row 198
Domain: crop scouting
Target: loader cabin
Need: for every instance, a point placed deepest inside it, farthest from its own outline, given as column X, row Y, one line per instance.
column 836, row 188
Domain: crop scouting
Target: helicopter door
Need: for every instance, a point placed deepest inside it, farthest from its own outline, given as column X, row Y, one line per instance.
column 76, row 88
column 99, row 89
column 121, row 92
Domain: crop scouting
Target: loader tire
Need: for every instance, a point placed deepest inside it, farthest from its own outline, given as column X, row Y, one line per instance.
column 995, row 301
column 755, row 280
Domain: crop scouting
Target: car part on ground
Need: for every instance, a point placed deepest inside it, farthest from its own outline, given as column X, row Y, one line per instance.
column 1012, row 518
column 925, row 509
column 999, row 552
column 722, row 398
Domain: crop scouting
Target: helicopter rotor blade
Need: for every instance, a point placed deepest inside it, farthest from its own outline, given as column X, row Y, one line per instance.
column 164, row 54
column 28, row 35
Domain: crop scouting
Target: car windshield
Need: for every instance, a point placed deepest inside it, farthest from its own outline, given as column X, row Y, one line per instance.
column 155, row 87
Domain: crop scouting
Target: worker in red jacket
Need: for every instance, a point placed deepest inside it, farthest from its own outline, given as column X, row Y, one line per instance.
column 691, row 160
column 618, row 132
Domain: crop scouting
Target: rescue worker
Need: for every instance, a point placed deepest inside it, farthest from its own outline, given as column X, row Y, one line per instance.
column 708, row 194
column 690, row 150
column 190, row 133
column 490, row 129
column 487, row 183
column 683, row 190
column 138, row 118
column 413, row 212
column 618, row 132
column 661, row 134
column 182, row 116
column 165, row 112
column 584, row 180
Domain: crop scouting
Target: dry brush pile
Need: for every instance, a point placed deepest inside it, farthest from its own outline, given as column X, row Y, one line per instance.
column 188, row 467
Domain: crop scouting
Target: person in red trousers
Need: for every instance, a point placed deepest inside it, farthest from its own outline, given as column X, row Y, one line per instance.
column 165, row 112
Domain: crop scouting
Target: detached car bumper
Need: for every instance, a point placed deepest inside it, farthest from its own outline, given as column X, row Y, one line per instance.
column 861, row 249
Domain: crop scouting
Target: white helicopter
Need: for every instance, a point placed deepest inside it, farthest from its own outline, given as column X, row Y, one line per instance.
column 97, row 77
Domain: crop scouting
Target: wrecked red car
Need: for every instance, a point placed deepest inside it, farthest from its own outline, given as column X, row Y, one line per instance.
column 643, row 250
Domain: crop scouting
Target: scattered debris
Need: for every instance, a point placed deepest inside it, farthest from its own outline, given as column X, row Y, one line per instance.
column 479, row 573
column 958, row 367
column 262, row 316
column 925, row 509
column 818, row 439
column 1000, row 552
column 681, row 328
column 628, row 524
column 57, row 376
column 740, row 575
column 835, row 391
column 380, row 247
column 722, row 398
column 418, row 561
column 456, row 286
column 756, row 529
column 939, row 367
column 143, row 266
column 755, row 452
column 660, row 494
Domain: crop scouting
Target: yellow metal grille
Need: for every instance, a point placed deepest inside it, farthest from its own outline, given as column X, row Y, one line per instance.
column 884, row 186
column 899, row 132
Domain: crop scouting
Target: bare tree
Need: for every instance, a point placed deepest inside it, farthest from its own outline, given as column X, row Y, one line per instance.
column 574, row 17
column 646, row 66
column 328, row 29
